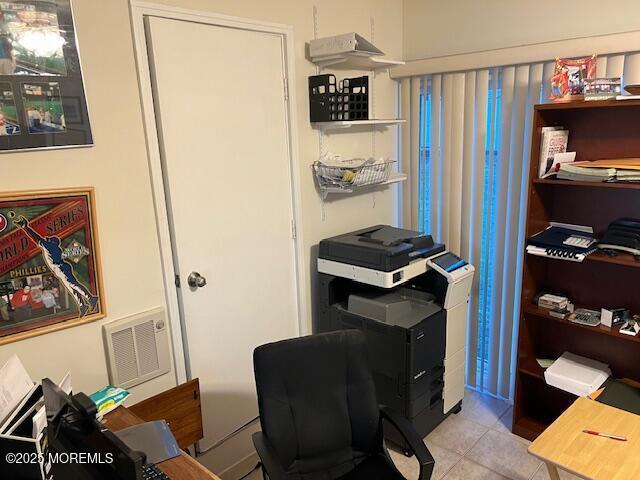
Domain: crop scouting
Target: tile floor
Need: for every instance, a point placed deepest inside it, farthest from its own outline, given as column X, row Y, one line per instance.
column 476, row 444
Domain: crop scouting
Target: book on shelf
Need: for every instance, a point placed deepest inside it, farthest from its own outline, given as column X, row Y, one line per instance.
column 554, row 140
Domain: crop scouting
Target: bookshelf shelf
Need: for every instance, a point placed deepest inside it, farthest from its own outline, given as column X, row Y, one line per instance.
column 343, row 124
column 597, row 130
column 530, row 367
column 541, row 313
column 528, row 427
column 624, row 259
column 591, row 105
column 571, row 183
column 346, row 61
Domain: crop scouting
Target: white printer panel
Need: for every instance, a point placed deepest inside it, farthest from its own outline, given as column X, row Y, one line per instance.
column 456, row 329
column 455, row 355
column 459, row 286
column 453, row 391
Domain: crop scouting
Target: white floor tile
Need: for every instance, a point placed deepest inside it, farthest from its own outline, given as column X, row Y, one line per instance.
column 457, row 433
column 468, row 470
column 543, row 474
column 504, row 454
column 504, row 424
column 482, row 409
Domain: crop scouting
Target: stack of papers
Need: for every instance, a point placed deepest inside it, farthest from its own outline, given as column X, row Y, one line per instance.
column 22, row 407
column 578, row 375
column 614, row 170
column 15, row 385
column 569, row 171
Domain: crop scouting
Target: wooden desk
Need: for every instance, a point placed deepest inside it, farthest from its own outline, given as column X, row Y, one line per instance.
column 563, row 444
column 180, row 468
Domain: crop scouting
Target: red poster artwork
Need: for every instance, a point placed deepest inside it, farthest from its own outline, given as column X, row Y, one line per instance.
column 49, row 262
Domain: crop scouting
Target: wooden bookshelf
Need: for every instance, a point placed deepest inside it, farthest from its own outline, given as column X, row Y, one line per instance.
column 597, row 130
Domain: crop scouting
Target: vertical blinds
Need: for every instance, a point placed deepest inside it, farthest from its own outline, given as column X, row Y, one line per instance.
column 466, row 150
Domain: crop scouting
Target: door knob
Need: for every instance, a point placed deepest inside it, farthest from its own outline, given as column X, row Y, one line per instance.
column 196, row 280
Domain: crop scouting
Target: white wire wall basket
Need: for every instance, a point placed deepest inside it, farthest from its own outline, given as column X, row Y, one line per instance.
column 347, row 179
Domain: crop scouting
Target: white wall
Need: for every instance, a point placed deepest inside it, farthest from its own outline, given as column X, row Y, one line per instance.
column 433, row 28
column 117, row 166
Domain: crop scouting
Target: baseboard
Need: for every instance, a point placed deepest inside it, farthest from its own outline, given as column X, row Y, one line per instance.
column 241, row 468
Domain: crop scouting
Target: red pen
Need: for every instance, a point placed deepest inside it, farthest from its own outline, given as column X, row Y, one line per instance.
column 606, row 435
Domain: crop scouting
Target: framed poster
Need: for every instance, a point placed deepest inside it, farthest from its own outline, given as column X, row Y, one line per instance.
column 49, row 262
column 42, row 98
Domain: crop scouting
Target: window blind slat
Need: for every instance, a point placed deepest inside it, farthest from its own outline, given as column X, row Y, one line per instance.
column 615, row 65
column 436, row 157
column 509, row 254
column 414, row 157
column 601, row 66
column 456, row 161
column 631, row 69
column 470, row 127
column 477, row 149
column 493, row 357
column 405, row 151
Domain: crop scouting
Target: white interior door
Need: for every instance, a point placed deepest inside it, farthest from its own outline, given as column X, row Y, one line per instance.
column 222, row 124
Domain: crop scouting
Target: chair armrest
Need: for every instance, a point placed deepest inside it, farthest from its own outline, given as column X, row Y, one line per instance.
column 268, row 457
column 417, row 446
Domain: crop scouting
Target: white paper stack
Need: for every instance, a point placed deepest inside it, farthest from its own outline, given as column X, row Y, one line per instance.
column 578, row 375
column 586, row 174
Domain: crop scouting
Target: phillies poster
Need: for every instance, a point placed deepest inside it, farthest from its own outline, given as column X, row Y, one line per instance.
column 49, row 262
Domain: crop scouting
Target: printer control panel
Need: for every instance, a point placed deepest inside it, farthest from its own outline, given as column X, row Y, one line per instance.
column 451, row 266
column 449, row 262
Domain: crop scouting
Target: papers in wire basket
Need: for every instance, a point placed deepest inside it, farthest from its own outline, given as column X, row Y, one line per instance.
column 15, row 385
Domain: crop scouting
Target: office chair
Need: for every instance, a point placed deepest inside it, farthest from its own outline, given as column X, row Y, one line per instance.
column 319, row 415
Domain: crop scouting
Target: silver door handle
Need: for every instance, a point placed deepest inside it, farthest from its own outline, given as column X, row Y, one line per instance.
column 196, row 280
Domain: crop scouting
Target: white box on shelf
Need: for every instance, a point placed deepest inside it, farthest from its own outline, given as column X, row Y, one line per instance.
column 575, row 374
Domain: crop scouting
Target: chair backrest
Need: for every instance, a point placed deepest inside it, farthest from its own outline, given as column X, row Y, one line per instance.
column 180, row 408
column 317, row 403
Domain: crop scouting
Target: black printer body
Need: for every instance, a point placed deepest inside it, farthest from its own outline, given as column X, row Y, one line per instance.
column 377, row 280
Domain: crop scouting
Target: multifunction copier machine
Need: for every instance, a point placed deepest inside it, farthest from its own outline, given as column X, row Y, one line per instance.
column 409, row 296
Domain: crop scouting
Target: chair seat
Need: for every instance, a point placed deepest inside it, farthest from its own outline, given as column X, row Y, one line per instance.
column 377, row 467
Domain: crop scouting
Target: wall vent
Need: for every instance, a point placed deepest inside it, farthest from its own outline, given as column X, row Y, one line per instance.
column 137, row 348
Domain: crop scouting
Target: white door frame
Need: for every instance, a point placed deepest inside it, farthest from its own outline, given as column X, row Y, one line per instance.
column 139, row 10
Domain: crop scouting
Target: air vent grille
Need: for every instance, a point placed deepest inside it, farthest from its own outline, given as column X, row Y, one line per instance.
column 137, row 348
column 124, row 351
column 146, row 346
